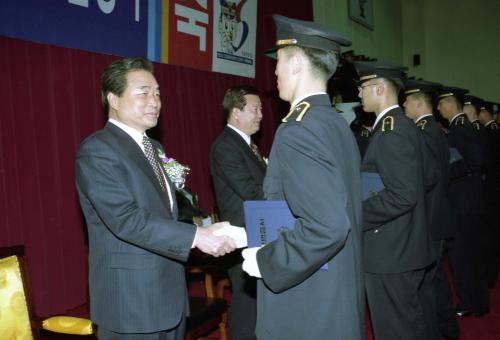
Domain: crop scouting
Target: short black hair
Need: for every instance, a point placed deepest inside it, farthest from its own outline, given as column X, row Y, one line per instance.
column 235, row 98
column 114, row 77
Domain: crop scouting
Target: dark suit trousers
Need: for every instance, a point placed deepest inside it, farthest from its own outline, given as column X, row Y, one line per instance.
column 428, row 301
column 396, row 309
column 465, row 255
column 243, row 311
column 447, row 321
column 176, row 333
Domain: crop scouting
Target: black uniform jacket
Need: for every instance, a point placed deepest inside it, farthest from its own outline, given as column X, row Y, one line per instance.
column 396, row 237
column 314, row 166
column 465, row 190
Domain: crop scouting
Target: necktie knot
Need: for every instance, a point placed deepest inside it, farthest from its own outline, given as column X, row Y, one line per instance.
column 255, row 150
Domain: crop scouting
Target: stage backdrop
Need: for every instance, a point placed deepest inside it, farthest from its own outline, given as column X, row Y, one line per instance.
column 217, row 35
column 51, row 101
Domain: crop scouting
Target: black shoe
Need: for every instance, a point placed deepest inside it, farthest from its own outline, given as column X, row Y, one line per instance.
column 465, row 312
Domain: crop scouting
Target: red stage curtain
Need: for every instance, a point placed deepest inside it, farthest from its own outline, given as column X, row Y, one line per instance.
column 50, row 100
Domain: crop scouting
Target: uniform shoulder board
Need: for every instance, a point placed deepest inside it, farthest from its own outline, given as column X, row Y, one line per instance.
column 460, row 120
column 297, row 113
column 388, row 123
column 421, row 124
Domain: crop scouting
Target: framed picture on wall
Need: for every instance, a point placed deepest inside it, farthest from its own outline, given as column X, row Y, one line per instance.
column 361, row 11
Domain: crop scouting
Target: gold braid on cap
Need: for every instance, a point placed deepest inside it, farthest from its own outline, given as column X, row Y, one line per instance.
column 370, row 76
column 412, row 91
column 446, row 95
column 283, row 42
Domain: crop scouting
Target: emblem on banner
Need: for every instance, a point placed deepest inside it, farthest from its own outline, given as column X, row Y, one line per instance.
column 231, row 25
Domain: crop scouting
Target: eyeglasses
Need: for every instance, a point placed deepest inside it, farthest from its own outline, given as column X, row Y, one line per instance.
column 360, row 88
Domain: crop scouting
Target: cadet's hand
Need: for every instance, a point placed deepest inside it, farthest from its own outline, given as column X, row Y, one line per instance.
column 250, row 264
column 211, row 244
column 238, row 234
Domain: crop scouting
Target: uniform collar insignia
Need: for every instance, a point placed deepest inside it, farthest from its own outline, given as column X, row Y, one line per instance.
column 298, row 112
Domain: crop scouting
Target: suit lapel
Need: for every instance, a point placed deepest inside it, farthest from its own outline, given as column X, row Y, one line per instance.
column 133, row 152
column 240, row 143
column 173, row 189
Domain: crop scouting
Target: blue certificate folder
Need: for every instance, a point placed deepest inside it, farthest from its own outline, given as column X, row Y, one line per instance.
column 371, row 184
column 455, row 155
column 264, row 221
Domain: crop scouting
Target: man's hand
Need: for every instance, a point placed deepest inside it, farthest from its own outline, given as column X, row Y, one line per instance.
column 209, row 243
column 238, row 234
column 250, row 264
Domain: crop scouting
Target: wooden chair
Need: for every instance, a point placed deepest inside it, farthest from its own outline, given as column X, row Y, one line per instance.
column 17, row 320
column 208, row 312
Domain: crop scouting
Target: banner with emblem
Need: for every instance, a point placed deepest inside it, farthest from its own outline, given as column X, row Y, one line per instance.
column 211, row 35
column 234, row 37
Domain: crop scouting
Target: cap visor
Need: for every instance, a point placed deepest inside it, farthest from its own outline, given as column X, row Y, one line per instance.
column 272, row 53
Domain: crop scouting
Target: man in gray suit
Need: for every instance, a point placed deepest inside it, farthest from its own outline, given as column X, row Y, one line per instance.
column 136, row 245
column 238, row 171
column 314, row 167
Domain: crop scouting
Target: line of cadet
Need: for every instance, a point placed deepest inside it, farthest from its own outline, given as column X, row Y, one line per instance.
column 437, row 160
column 424, row 193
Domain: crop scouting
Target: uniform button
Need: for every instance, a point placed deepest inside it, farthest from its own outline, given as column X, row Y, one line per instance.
column 375, row 231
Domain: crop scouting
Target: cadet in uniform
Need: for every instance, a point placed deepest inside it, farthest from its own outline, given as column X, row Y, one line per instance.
column 314, row 167
column 418, row 107
column 471, row 107
column 396, row 240
column 466, row 201
column 492, row 188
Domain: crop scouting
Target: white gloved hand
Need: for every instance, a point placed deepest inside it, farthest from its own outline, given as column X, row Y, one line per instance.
column 239, row 235
column 250, row 261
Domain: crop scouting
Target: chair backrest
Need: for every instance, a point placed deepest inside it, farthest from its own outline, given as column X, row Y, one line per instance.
column 14, row 314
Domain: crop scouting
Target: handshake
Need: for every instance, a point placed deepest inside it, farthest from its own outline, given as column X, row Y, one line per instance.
column 220, row 239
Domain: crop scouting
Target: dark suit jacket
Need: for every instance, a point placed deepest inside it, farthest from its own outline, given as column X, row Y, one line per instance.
column 437, row 204
column 396, row 237
column 465, row 190
column 136, row 246
column 314, row 166
column 237, row 175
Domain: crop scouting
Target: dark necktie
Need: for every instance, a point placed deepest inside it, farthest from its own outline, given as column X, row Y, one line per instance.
column 153, row 160
column 255, row 150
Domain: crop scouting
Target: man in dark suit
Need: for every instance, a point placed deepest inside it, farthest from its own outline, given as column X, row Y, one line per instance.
column 136, row 245
column 466, row 200
column 238, row 171
column 396, row 244
column 418, row 105
column 314, row 167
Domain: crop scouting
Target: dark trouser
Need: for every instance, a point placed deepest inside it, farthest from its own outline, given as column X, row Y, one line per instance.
column 428, row 301
column 447, row 320
column 465, row 254
column 176, row 333
column 489, row 242
column 243, row 309
column 396, row 309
